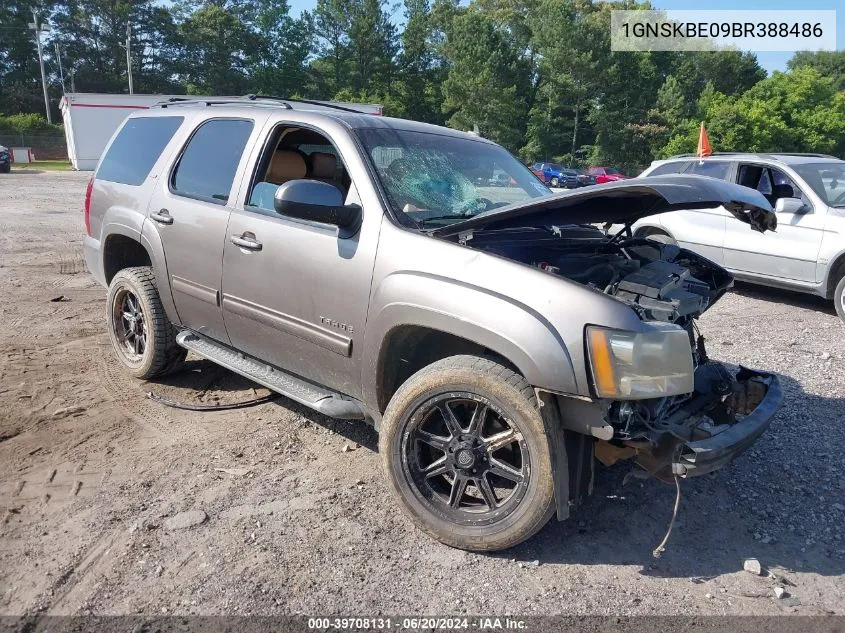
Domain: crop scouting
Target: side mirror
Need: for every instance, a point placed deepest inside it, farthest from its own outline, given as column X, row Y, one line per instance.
column 790, row 205
column 317, row 202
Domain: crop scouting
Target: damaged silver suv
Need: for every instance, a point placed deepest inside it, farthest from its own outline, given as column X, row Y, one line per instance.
column 365, row 267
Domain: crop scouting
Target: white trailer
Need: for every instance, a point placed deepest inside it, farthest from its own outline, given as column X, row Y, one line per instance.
column 90, row 119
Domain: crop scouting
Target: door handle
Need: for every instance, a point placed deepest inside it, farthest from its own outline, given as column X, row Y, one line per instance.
column 162, row 217
column 247, row 242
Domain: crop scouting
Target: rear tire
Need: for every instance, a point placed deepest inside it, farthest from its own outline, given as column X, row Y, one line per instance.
column 6, row 169
column 481, row 479
column 839, row 298
column 143, row 338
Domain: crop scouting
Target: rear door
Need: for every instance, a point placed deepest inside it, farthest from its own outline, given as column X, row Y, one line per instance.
column 702, row 230
column 790, row 252
column 190, row 210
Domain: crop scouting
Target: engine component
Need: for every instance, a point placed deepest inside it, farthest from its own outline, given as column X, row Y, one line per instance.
column 664, row 291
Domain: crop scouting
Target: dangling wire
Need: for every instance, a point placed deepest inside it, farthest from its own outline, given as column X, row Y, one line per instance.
column 220, row 406
column 662, row 547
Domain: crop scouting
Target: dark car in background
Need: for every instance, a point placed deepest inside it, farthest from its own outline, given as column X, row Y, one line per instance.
column 555, row 175
column 5, row 160
column 584, row 178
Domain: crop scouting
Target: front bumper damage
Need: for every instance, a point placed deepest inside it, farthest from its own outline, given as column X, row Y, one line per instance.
column 757, row 402
column 725, row 416
column 701, row 433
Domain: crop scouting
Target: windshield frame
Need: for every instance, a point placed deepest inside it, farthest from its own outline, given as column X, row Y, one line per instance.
column 403, row 219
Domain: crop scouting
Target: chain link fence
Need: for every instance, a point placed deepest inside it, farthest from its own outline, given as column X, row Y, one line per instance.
column 47, row 146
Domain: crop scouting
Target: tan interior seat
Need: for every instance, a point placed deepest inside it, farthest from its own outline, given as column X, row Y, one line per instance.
column 286, row 165
column 324, row 167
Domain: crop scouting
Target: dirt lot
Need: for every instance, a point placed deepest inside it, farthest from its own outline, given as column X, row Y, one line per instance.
column 291, row 509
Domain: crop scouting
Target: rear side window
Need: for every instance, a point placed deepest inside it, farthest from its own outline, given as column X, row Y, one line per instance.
column 710, row 168
column 675, row 167
column 136, row 148
column 208, row 164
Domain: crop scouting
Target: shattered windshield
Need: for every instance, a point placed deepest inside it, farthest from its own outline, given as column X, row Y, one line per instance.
column 826, row 179
column 435, row 180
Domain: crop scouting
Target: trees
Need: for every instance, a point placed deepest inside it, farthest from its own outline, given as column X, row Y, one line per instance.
column 827, row 63
column 480, row 89
column 535, row 75
column 20, row 89
column 798, row 111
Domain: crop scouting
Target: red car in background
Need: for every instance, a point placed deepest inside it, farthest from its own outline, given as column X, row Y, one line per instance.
column 606, row 174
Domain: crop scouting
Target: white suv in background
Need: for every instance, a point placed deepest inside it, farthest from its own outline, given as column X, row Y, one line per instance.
column 807, row 251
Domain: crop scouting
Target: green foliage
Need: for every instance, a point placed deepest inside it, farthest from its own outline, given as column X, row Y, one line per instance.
column 798, row 111
column 481, row 89
column 534, row 75
column 828, row 63
column 26, row 124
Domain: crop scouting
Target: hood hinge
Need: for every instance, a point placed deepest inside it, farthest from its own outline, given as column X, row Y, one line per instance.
column 464, row 237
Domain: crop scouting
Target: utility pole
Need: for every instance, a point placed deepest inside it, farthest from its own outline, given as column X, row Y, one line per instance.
column 61, row 72
column 129, row 55
column 38, row 29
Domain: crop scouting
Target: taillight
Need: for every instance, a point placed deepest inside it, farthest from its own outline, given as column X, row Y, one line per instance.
column 88, row 205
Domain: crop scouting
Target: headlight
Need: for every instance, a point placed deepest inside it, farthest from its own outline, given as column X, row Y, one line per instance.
column 639, row 365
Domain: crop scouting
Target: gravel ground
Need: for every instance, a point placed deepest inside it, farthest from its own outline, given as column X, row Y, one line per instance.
column 112, row 504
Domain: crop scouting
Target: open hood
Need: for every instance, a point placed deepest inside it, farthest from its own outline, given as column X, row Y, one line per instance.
column 625, row 202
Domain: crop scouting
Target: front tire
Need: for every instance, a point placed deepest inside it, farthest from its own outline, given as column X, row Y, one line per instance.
column 839, row 298
column 555, row 182
column 465, row 451
column 143, row 338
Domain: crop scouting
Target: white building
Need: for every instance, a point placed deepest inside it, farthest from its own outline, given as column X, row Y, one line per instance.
column 90, row 120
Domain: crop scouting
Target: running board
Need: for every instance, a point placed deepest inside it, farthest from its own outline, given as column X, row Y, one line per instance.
column 319, row 398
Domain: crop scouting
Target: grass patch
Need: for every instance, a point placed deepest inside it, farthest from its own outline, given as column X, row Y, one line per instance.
column 47, row 165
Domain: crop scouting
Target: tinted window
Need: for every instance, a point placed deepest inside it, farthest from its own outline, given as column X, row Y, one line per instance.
column 675, row 167
column 136, row 148
column 709, row 168
column 208, row 164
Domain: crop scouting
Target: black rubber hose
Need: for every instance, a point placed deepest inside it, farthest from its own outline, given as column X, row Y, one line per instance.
column 220, row 406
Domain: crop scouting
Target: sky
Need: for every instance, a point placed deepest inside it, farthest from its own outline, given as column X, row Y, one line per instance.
column 771, row 61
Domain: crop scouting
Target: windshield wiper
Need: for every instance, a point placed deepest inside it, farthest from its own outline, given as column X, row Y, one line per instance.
column 451, row 216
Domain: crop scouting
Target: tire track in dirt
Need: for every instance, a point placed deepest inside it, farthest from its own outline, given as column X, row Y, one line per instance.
column 126, row 393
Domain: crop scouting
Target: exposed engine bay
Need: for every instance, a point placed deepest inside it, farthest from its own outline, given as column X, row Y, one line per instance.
column 661, row 283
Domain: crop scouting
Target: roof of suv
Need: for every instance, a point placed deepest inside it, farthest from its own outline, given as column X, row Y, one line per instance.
column 350, row 117
column 785, row 158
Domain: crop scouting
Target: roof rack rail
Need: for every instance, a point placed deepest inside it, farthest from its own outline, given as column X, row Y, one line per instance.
column 283, row 102
column 324, row 104
column 713, row 154
column 808, row 154
column 766, row 154
column 180, row 101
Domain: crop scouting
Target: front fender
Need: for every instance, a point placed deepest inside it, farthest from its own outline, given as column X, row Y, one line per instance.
column 500, row 323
